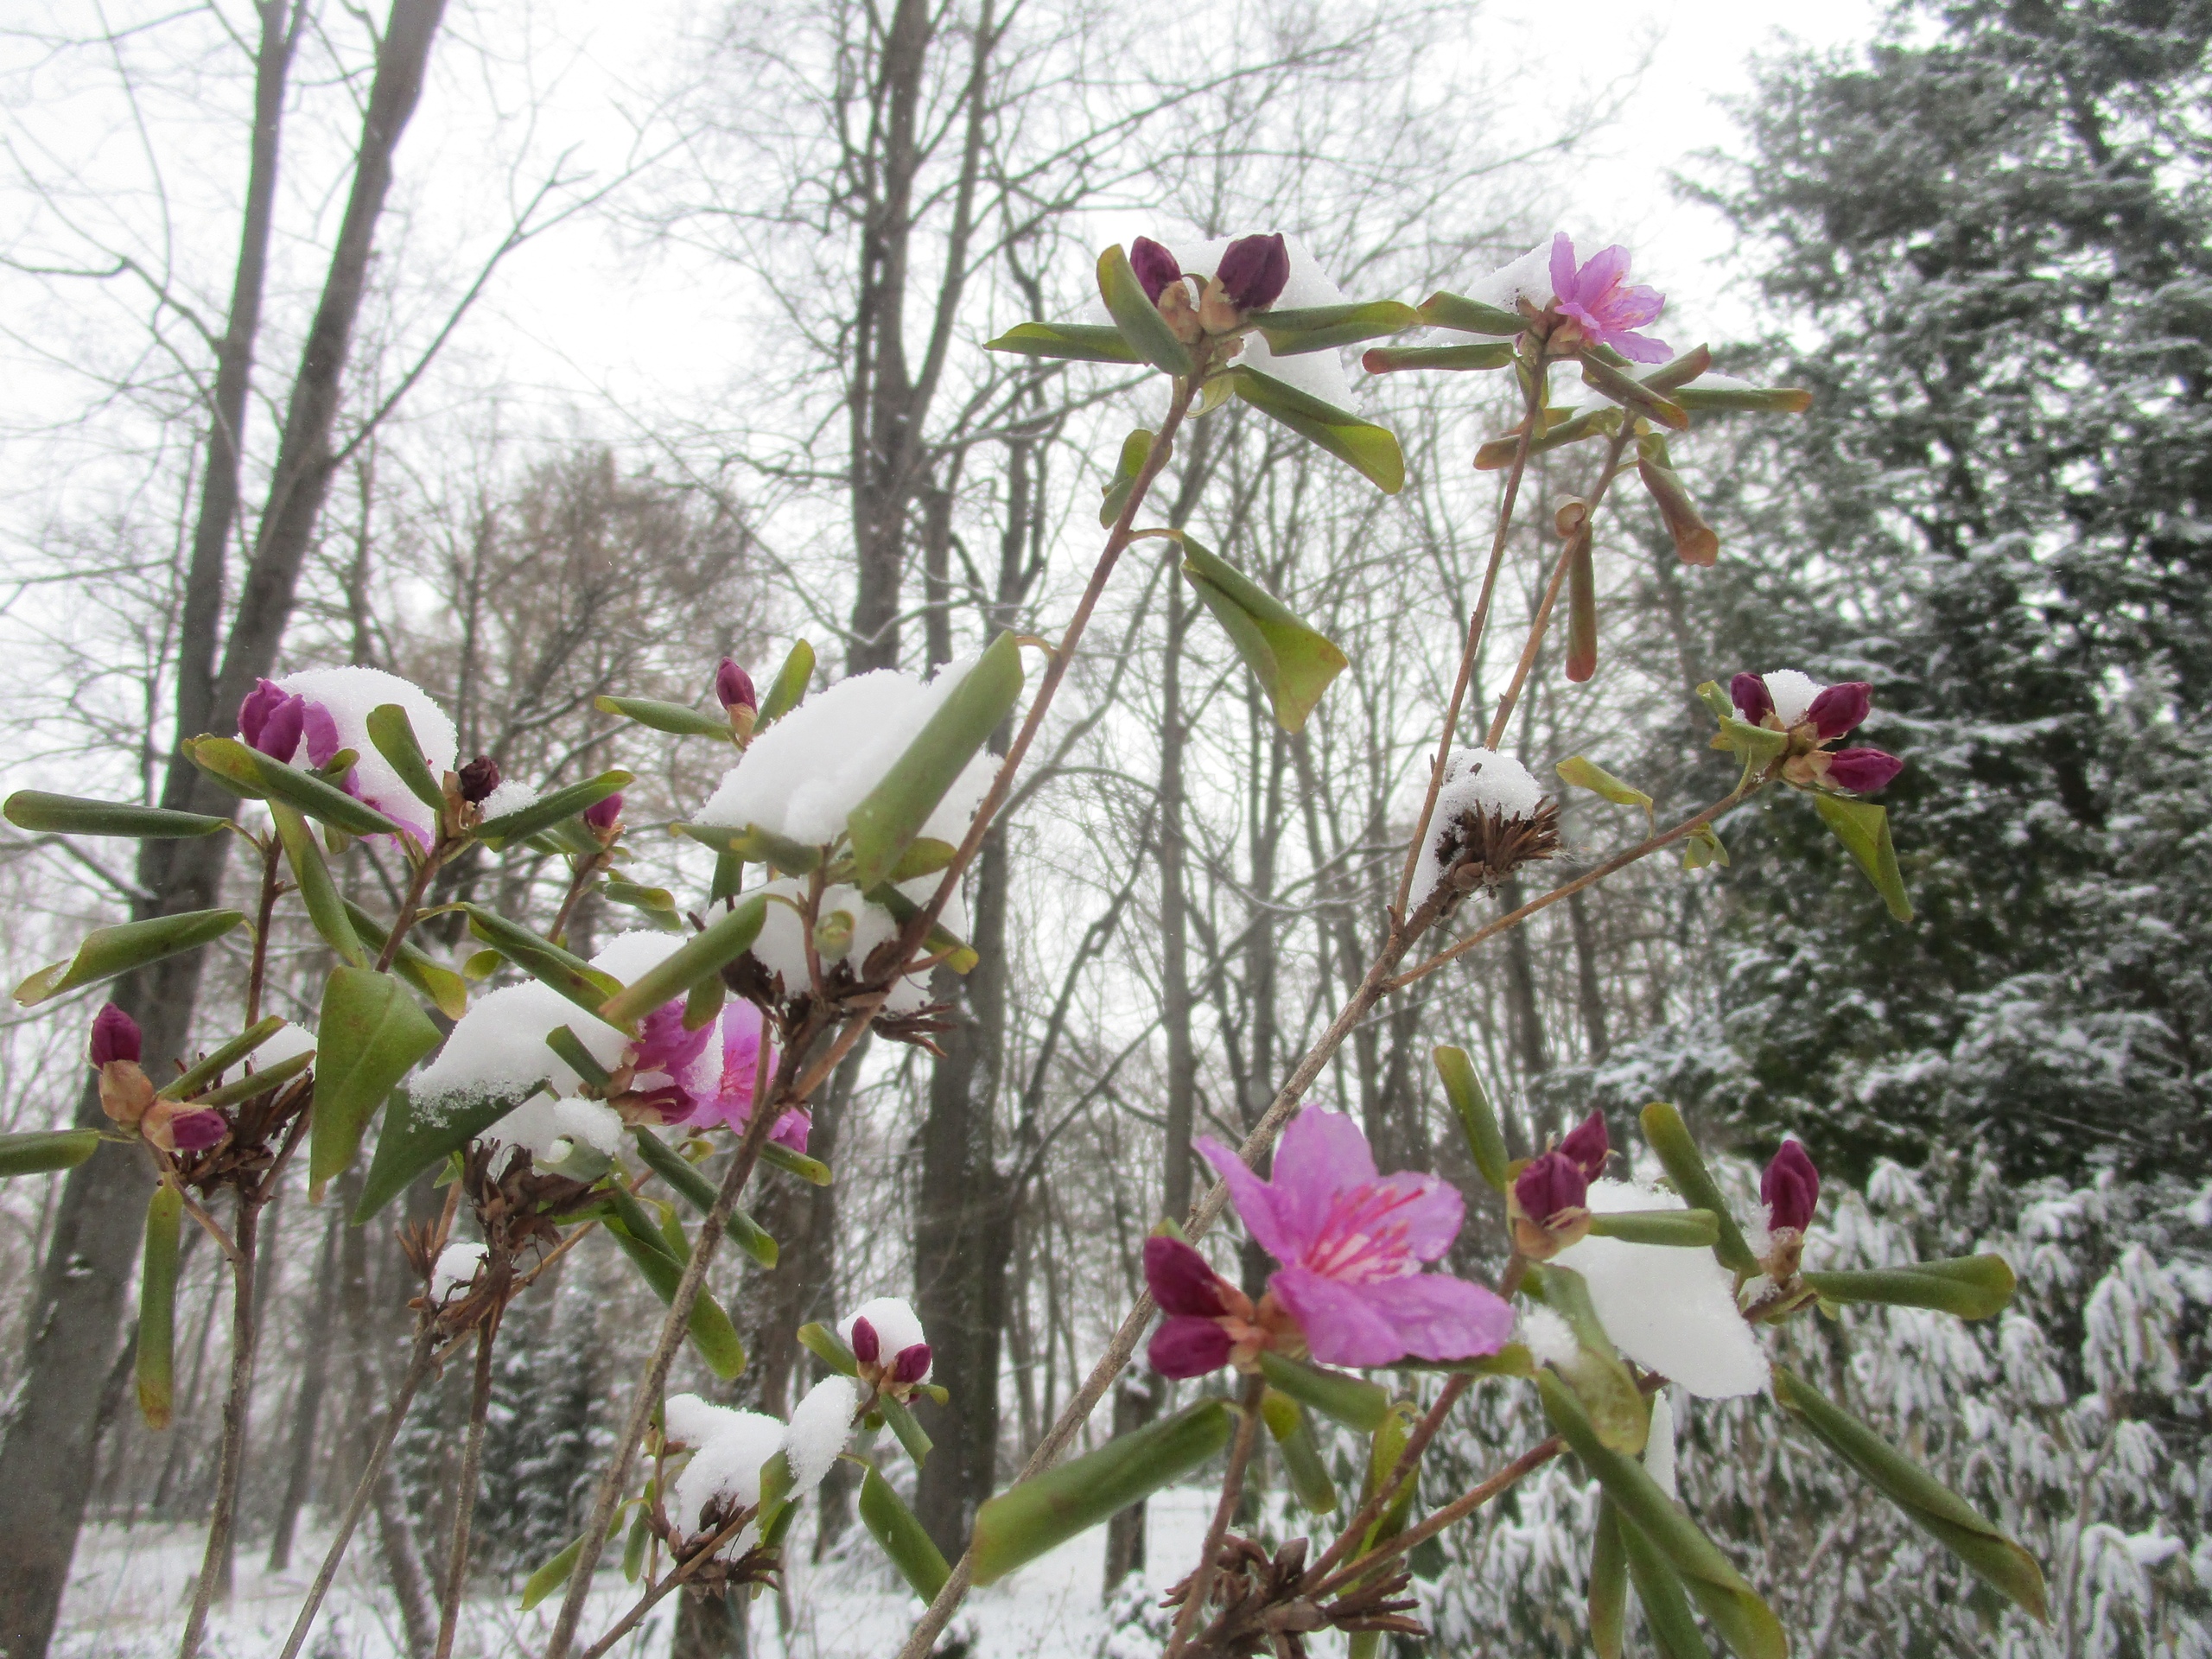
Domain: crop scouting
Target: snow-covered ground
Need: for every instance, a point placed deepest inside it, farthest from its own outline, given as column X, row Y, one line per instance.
column 127, row 1598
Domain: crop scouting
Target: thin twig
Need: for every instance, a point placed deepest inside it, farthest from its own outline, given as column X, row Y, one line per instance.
column 231, row 1463
column 678, row 1575
column 1232, row 1488
column 257, row 976
column 418, row 885
column 1400, row 1472
column 471, row 1460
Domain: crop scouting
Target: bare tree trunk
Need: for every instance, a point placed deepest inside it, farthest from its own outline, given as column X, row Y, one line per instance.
column 1524, row 1014
column 1590, row 991
column 711, row 1627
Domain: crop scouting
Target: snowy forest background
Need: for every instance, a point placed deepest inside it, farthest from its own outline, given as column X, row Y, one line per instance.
column 1984, row 242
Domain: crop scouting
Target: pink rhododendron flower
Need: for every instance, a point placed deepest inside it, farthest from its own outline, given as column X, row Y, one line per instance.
column 1352, row 1244
column 1599, row 300
column 731, row 1102
column 1815, row 715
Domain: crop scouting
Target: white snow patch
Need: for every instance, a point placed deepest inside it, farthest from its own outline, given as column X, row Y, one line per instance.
column 511, row 795
column 1671, row 1310
column 821, row 1424
column 1528, row 277
column 1549, row 1338
column 730, row 1447
column 455, row 1270
column 548, row 1128
column 287, row 1040
column 1659, row 1449
column 1474, row 778
column 897, row 1328
column 781, row 945
column 1792, row 694
column 350, row 695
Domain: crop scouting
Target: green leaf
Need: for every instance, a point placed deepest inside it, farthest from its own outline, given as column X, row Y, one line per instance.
column 1477, row 1122
column 660, row 900
column 41, row 1152
column 712, row 1333
column 1293, row 663
column 828, row 1347
column 1024, row 1522
column 1469, row 316
column 1693, row 1230
column 189, row 1083
column 1136, row 317
column 1389, row 360
column 700, row 1194
column 1608, row 1594
column 1765, row 400
column 1696, row 542
column 1588, row 775
column 1971, row 1286
column 1352, row 1401
column 790, row 684
column 1701, row 848
column 812, row 1171
column 1744, row 1622
column 1863, row 827
column 678, row 718
column 108, row 951
column 1136, row 449
column 415, row 1139
column 1302, row 1456
column 371, row 1034
column 588, row 987
column 895, row 1527
column 1929, row 1505
column 259, row 777
column 910, row 1432
column 1755, row 746
column 155, row 1371
column 1660, row 1589
column 883, row 825
column 67, row 815
column 633, row 1549
column 1073, row 342
column 551, row 1576
column 548, row 810
column 1714, row 698
column 1369, row 450
column 1632, row 393
column 1385, row 1447
column 1581, row 609
column 447, row 991
column 1595, row 423
column 754, row 845
column 700, row 957
column 959, row 954
column 318, row 892
column 1316, row 329
column 1669, row 1138
column 1608, row 1393
column 254, row 1084
column 393, row 734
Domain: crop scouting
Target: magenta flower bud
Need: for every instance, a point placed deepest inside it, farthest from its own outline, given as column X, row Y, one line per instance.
column 1185, row 1345
column 1550, row 1183
column 734, row 686
column 1753, row 700
column 1790, row 1187
column 479, row 778
column 1254, row 271
column 115, row 1036
column 266, row 697
column 606, row 815
column 276, row 726
column 1586, row 1147
column 868, row 1347
column 912, row 1365
column 1155, row 267
column 1839, row 708
column 1180, row 1280
column 1862, row 771
column 197, row 1131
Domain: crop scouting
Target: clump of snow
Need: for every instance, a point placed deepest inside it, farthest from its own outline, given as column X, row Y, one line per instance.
column 1792, row 694
column 350, row 695
column 1528, row 277
column 287, row 1040
column 1474, row 779
column 1549, row 1338
column 781, row 945
column 821, row 1425
column 1659, row 1449
column 510, row 795
column 1671, row 1310
column 897, row 1328
column 548, row 1129
column 455, row 1270
column 803, row 777
column 729, row 1447
column 1319, row 374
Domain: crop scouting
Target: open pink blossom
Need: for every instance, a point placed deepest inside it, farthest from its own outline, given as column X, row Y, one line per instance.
column 1352, row 1244
column 1599, row 300
column 731, row 1102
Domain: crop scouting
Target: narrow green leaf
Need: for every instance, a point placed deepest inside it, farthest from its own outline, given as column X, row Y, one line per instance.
column 447, row 991
column 415, row 1139
column 1632, row 393
column 1608, row 1594
column 1385, row 1447
column 1369, row 450
column 1665, row 1599
column 263, row 779
column 1477, row 1122
column 1685, row 1165
column 1136, row 317
column 548, row 810
column 551, row 1576
column 907, row 1428
column 1701, row 848
column 1929, row 1505
column 1024, row 1522
column 189, row 1083
column 1696, row 542
column 678, row 718
column 660, row 899
column 754, row 845
column 1714, row 698
column 1863, row 827
column 959, row 954
column 155, row 1371
column 67, row 815
column 790, row 684
column 1469, row 316
column 1074, row 342
column 1390, row 359
column 1971, row 1286
column 1300, row 1454
column 319, row 894
column 633, row 1548
column 393, row 734
column 1136, row 449
column 1352, row 1401
column 371, row 1034
column 888, row 820
column 564, row 1042
column 1316, row 329
column 588, row 987
column 712, row 1334
column 700, row 957
column 41, row 1152
column 729, row 877
column 1614, row 1406
column 1765, row 400
column 700, row 1194
column 1603, row 421
column 812, row 1171
column 1292, row 662
column 1694, row 1229
column 1744, row 1622
column 108, row 951
column 1588, row 775
column 1755, row 745
column 896, row 1528
column 828, row 1347
column 254, row 1084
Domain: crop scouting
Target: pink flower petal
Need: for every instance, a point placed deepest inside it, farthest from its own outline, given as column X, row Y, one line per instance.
column 1343, row 1324
column 1563, row 284
column 1605, row 268
column 1863, row 771
column 1182, row 1281
column 1185, row 1345
column 1437, row 1317
column 1839, row 708
column 1254, row 1200
column 1639, row 348
column 1321, row 1154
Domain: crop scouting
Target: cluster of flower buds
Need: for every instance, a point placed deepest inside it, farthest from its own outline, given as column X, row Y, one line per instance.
column 1790, row 1188
column 1816, row 717
column 888, row 1343
column 1548, row 1202
column 733, row 690
column 127, row 1093
column 1210, row 1323
column 1253, row 272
